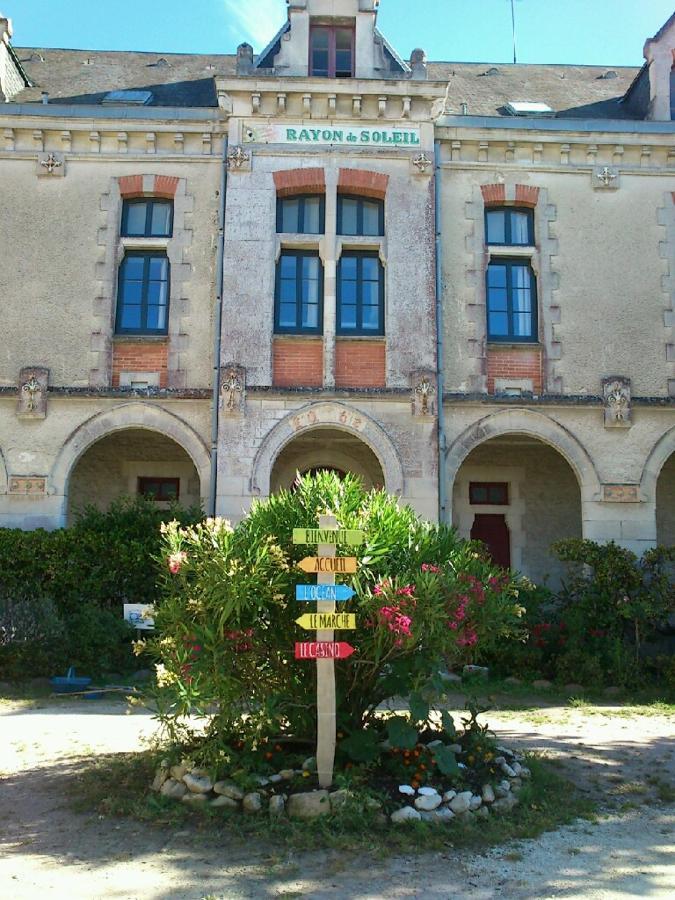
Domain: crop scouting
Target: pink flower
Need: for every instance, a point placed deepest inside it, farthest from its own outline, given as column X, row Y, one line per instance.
column 468, row 639
column 176, row 560
column 428, row 567
column 453, row 625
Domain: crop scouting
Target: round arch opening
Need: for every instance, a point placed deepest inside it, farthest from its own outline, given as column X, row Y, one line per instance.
column 326, row 448
column 665, row 504
column 132, row 462
column 518, row 495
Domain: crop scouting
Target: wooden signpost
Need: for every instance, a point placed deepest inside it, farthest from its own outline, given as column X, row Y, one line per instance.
column 325, row 650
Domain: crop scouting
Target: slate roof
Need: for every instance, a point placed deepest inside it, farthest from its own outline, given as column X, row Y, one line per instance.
column 187, row 80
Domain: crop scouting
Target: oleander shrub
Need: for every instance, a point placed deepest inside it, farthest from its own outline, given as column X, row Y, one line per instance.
column 425, row 599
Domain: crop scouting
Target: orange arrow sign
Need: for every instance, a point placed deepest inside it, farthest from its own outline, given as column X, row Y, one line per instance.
column 336, row 565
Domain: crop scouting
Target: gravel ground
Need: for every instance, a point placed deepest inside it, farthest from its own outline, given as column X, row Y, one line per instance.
column 47, row 850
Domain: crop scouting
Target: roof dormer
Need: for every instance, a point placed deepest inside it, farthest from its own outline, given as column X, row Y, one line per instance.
column 331, row 39
column 660, row 55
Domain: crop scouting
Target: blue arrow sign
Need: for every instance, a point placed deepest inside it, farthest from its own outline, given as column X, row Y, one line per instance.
column 306, row 593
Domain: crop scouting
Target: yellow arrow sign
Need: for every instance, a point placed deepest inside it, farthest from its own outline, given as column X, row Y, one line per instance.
column 330, row 564
column 328, row 536
column 327, row 621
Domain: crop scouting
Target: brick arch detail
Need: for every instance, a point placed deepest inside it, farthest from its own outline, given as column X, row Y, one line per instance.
column 320, row 415
column 536, row 425
column 121, row 418
column 363, row 182
column 291, row 182
column 134, row 186
column 516, row 195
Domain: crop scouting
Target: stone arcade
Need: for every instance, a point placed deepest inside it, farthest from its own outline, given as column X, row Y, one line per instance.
column 220, row 270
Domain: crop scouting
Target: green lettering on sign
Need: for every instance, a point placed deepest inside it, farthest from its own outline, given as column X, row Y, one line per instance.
column 351, row 537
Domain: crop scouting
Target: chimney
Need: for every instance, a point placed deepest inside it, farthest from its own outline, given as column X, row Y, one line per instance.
column 244, row 59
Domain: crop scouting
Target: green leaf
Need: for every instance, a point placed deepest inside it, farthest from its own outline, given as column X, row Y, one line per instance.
column 448, row 724
column 419, row 708
column 401, row 734
column 445, row 760
column 361, row 746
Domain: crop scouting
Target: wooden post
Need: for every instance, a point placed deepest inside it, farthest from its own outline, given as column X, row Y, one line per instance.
column 325, row 678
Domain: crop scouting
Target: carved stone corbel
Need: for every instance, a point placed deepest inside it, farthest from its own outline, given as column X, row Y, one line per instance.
column 33, row 384
column 423, row 395
column 616, row 392
column 232, row 390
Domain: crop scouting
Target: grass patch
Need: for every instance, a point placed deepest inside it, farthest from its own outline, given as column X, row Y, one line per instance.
column 118, row 786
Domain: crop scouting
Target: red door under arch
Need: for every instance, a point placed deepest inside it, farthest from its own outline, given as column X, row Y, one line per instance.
column 493, row 531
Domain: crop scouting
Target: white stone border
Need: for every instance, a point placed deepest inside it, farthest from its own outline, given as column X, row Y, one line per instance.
column 319, row 415
column 121, row 418
column 537, row 425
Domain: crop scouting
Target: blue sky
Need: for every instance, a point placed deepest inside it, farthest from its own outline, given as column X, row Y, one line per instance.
column 601, row 32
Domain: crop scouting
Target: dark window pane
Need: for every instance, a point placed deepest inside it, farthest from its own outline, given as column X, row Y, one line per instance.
column 288, row 266
column 312, row 223
column 479, row 493
column 133, row 267
column 371, row 218
column 497, row 276
column 159, row 267
column 320, row 38
column 371, row 318
column 135, row 219
column 132, row 291
column 347, row 316
column 290, row 223
column 343, row 39
column 131, row 317
column 498, row 324
column 160, row 225
column 310, row 316
column 157, row 292
column 349, row 218
column 348, row 267
column 370, row 293
column 156, row 318
column 371, row 268
column 287, row 312
column 498, row 300
column 496, row 226
column 520, row 228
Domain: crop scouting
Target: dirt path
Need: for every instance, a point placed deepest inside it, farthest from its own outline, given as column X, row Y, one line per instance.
column 47, row 851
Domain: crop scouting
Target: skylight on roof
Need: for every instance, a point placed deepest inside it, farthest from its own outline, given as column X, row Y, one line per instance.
column 528, row 108
column 128, row 98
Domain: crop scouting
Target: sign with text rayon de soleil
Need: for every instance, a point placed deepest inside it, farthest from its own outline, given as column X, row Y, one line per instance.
column 332, row 134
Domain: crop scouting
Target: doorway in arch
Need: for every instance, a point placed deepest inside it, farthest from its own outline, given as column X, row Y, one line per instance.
column 492, row 530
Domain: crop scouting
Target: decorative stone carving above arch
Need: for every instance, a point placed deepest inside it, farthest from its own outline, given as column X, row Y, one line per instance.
column 122, row 417
column 536, row 425
column 335, row 415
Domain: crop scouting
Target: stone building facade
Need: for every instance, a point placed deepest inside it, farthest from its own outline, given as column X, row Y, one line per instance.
column 455, row 280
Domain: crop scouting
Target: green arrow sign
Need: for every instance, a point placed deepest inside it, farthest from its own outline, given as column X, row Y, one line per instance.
column 328, row 536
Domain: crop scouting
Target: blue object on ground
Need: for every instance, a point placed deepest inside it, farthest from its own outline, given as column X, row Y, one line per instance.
column 69, row 683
